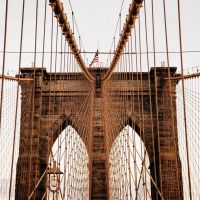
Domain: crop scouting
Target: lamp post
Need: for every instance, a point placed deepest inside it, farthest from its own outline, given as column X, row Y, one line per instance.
column 54, row 179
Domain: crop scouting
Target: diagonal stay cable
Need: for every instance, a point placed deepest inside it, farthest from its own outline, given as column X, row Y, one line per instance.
column 128, row 25
column 58, row 9
column 53, row 155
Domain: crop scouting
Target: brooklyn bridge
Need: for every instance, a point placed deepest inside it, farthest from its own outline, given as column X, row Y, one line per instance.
column 80, row 124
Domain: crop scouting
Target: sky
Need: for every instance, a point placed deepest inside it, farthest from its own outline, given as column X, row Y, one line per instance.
column 97, row 22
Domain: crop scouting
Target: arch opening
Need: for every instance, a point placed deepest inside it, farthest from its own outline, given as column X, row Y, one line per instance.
column 129, row 167
column 68, row 176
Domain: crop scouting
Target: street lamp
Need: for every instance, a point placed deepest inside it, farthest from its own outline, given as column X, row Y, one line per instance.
column 54, row 179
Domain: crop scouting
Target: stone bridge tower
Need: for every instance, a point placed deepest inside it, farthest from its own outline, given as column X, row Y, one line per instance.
column 34, row 153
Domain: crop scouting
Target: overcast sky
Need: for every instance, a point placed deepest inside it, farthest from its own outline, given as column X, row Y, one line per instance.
column 97, row 21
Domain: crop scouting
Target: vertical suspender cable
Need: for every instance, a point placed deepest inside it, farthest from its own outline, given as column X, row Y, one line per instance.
column 184, row 103
column 150, row 97
column 4, row 60
column 170, row 94
column 17, row 101
column 33, row 99
column 156, row 97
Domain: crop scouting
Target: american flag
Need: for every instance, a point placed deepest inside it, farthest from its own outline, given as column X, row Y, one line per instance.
column 95, row 59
